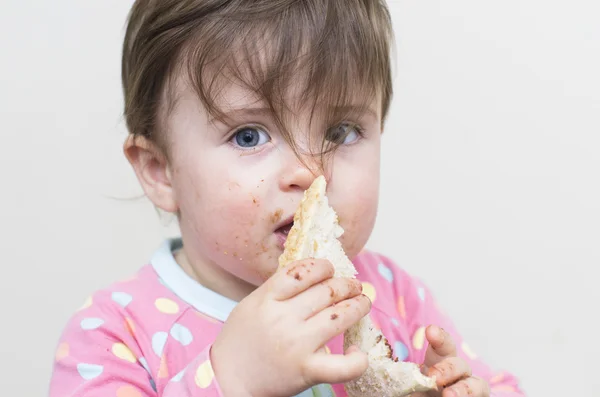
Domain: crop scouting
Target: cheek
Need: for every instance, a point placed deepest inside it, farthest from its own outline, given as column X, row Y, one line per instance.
column 358, row 222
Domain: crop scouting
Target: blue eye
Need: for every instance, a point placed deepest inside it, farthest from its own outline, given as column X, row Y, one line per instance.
column 344, row 134
column 250, row 137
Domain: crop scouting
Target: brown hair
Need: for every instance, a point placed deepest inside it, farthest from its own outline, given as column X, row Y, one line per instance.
column 338, row 47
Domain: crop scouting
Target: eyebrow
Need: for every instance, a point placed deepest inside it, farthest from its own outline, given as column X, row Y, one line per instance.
column 246, row 112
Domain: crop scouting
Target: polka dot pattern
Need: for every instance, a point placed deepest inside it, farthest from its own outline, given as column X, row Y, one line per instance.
column 497, row 378
column 418, row 339
column 88, row 302
column 161, row 318
column 88, row 324
column 121, row 298
column 401, row 307
column 400, row 351
column 421, row 293
column 204, row 375
column 181, row 334
column 123, row 352
column 385, row 272
column 506, row 388
column 89, row 371
column 178, row 377
column 166, row 306
column 163, row 371
column 62, row 351
column 144, row 364
column 159, row 340
column 130, row 326
column 369, row 291
column 128, row 391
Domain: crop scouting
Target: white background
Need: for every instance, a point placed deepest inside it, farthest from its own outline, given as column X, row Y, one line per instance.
column 491, row 188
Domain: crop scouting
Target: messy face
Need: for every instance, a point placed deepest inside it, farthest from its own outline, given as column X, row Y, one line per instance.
column 237, row 183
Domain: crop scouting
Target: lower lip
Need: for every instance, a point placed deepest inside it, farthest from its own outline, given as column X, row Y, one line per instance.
column 281, row 237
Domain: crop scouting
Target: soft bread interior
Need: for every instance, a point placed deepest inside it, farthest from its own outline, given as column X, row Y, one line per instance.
column 315, row 234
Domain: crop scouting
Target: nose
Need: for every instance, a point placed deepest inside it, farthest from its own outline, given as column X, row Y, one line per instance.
column 298, row 173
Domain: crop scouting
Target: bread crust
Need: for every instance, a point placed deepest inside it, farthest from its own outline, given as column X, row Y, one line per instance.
column 315, row 235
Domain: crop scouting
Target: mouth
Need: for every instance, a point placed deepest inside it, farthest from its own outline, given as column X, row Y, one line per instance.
column 283, row 229
column 285, row 226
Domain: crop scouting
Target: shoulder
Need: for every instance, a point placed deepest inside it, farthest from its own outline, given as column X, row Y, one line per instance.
column 123, row 308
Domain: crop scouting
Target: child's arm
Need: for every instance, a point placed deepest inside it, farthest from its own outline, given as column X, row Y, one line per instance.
column 99, row 356
column 421, row 311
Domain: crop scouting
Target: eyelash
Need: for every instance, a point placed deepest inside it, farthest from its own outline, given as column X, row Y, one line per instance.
column 351, row 125
column 232, row 135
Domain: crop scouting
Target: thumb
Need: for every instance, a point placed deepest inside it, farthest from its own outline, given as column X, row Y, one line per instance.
column 440, row 346
column 337, row 368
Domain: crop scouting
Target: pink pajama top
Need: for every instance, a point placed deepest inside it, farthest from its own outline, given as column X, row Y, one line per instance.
column 151, row 335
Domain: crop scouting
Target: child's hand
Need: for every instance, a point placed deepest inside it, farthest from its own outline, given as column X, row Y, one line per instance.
column 271, row 345
column 452, row 373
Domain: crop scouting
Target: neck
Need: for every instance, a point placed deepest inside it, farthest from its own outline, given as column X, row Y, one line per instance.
column 211, row 276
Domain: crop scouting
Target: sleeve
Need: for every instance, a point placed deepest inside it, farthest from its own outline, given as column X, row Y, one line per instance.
column 417, row 306
column 98, row 356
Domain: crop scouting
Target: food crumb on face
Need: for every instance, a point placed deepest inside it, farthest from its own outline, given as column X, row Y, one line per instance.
column 334, row 316
column 276, row 216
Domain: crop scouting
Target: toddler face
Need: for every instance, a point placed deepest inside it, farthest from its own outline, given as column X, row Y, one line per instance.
column 237, row 183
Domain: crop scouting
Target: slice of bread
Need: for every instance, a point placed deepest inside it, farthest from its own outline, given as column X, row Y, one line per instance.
column 315, row 234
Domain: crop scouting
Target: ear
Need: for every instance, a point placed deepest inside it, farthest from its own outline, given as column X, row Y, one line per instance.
column 152, row 170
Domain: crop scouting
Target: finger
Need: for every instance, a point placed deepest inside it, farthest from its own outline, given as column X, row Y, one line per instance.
column 336, row 319
column 469, row 387
column 450, row 371
column 325, row 294
column 301, row 275
column 336, row 368
column 440, row 346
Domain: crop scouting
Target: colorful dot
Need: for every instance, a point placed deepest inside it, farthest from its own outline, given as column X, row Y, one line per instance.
column 327, row 349
column 159, row 340
column 400, row 351
column 421, row 293
column 163, row 371
column 129, row 326
column 88, row 302
column 123, row 352
column 385, row 272
column 419, row 338
column 178, row 377
column 144, row 363
column 395, row 322
column 204, row 375
column 89, row 371
column 401, row 307
column 467, row 350
column 62, row 351
column 166, row 306
column 128, row 391
column 181, row 334
column 506, row 388
column 369, row 291
column 121, row 298
column 497, row 378
column 91, row 323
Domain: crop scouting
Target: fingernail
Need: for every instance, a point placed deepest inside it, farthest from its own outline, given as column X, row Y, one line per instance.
column 435, row 372
column 449, row 393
